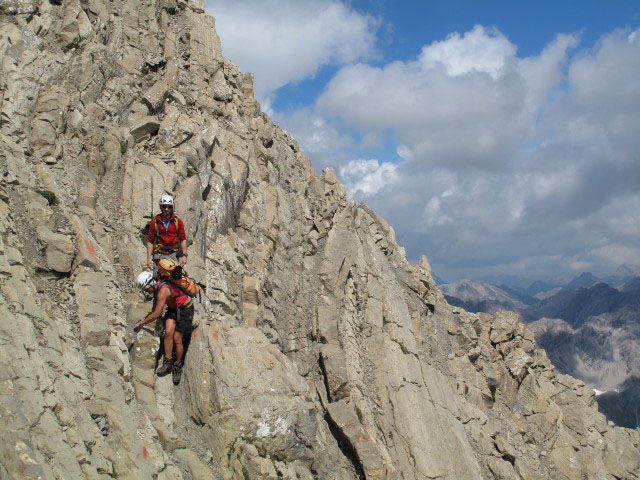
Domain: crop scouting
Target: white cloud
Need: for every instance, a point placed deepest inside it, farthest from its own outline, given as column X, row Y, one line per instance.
column 614, row 255
column 367, row 177
column 285, row 41
column 432, row 213
column 529, row 164
column 481, row 50
column 478, row 111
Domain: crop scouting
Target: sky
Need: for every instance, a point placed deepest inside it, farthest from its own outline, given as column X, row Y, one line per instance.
column 496, row 137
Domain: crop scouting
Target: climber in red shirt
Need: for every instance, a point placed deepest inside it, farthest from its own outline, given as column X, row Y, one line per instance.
column 166, row 238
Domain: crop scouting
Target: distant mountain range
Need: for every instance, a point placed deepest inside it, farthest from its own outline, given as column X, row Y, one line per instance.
column 577, row 305
column 483, row 297
column 622, row 275
column 589, row 326
column 532, row 286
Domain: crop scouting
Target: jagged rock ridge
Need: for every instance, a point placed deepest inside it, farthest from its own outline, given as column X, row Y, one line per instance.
column 320, row 353
column 602, row 351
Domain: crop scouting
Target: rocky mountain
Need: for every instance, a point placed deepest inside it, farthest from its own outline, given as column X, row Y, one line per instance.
column 576, row 306
column 538, row 287
column 476, row 296
column 588, row 332
column 602, row 351
column 622, row 405
column 515, row 282
column 631, row 285
column 320, row 352
column 622, row 275
column 519, row 296
column 585, row 279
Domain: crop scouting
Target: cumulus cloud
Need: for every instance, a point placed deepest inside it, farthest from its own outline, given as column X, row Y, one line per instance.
column 452, row 106
column 367, row 177
column 285, row 41
column 521, row 165
column 321, row 140
column 481, row 50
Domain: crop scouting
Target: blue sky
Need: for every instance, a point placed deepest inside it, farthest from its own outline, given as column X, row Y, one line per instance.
column 407, row 25
column 495, row 137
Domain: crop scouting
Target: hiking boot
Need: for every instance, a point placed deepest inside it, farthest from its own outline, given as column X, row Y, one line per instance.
column 177, row 373
column 165, row 368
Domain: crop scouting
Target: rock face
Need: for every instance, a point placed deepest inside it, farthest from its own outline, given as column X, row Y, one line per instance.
column 603, row 352
column 320, row 352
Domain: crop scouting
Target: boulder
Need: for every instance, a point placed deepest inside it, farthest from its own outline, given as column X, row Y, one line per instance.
column 144, row 127
column 156, row 95
column 59, row 250
column 504, row 326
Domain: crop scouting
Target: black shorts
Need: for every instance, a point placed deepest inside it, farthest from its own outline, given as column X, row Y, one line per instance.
column 183, row 318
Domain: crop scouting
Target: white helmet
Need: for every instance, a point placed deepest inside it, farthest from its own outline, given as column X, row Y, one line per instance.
column 166, row 200
column 144, row 280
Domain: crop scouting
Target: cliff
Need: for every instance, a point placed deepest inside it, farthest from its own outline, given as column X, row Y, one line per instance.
column 320, row 352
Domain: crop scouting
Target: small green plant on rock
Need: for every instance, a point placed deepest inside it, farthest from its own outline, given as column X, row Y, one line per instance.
column 49, row 195
column 272, row 161
column 123, row 146
column 245, row 473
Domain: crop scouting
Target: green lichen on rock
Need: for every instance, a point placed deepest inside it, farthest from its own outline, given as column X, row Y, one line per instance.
column 49, row 195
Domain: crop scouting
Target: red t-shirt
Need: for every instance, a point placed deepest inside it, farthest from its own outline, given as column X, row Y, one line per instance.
column 166, row 236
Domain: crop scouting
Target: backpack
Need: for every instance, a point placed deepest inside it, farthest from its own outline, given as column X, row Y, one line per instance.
column 169, row 270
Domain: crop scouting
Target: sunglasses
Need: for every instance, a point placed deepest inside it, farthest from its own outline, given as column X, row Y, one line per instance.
column 166, row 206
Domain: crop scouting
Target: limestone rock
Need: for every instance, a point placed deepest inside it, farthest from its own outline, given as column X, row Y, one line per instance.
column 19, row 7
column 345, row 418
column 320, row 351
column 193, row 464
column 335, row 369
column 38, row 209
column 75, row 25
column 517, row 362
column 175, row 129
column 156, row 95
column 86, row 251
column 144, row 128
column 504, row 326
column 59, row 251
